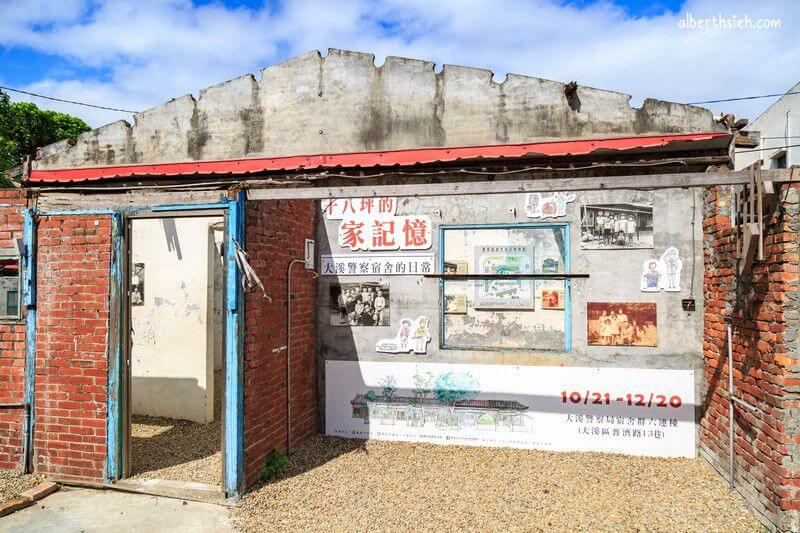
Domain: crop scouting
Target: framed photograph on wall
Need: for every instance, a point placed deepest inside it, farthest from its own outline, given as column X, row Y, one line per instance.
column 359, row 304
column 622, row 324
column 617, row 226
column 455, row 304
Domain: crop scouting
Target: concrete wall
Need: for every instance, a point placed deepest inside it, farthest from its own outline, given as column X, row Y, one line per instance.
column 216, row 295
column 778, row 126
column 172, row 354
column 342, row 102
column 614, row 276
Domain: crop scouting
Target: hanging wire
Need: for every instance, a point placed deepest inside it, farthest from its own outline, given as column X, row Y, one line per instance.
column 767, row 148
column 67, row 101
column 742, row 98
column 37, row 95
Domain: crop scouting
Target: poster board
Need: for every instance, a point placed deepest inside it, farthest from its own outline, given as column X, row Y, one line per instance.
column 645, row 412
column 504, row 293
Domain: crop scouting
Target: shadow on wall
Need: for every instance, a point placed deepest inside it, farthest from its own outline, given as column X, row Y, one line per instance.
column 171, row 236
column 176, row 398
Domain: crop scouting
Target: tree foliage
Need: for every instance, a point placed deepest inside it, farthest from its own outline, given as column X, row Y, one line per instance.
column 454, row 387
column 24, row 127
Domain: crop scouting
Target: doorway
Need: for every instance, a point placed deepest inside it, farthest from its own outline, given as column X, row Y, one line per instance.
column 176, row 345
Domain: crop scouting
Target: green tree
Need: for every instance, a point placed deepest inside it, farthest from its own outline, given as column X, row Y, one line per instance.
column 454, row 387
column 389, row 385
column 24, row 127
column 422, row 384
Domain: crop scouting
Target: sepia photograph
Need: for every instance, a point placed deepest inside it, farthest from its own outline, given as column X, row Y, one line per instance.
column 455, row 304
column 359, row 304
column 622, row 324
column 553, row 299
column 617, row 226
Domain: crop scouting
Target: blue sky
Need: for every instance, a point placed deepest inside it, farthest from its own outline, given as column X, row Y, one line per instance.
column 135, row 55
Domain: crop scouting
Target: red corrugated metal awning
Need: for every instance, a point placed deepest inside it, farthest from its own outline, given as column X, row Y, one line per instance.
column 386, row 159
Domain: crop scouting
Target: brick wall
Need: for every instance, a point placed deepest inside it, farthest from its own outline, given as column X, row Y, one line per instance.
column 763, row 310
column 12, row 342
column 275, row 234
column 71, row 359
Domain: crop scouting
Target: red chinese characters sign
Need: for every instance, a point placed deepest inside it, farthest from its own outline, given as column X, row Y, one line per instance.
column 379, row 233
column 341, row 208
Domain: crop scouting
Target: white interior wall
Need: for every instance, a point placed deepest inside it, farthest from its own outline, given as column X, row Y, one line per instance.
column 172, row 352
column 217, row 295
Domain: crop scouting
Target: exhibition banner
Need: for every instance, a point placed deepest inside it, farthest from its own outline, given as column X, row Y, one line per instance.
column 618, row 410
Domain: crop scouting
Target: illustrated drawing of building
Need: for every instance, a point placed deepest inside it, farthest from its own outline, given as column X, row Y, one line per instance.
column 487, row 415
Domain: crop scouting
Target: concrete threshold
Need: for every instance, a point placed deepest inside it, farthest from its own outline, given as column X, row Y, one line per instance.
column 179, row 490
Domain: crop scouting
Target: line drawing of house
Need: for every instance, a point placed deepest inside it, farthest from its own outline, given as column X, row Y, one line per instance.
column 412, row 411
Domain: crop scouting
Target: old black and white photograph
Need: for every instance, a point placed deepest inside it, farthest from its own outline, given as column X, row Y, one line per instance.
column 617, row 226
column 359, row 304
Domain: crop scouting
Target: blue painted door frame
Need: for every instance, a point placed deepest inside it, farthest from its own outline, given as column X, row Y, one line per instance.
column 234, row 430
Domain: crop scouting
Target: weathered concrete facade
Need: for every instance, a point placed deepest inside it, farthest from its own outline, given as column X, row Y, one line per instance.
column 614, row 276
column 342, row 102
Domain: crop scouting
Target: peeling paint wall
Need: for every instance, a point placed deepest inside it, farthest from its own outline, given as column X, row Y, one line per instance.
column 614, row 277
column 343, row 102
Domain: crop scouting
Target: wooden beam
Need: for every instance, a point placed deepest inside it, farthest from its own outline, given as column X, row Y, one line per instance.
column 541, row 275
column 595, row 183
column 750, row 242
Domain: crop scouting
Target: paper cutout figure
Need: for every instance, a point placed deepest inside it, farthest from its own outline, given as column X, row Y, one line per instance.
column 413, row 336
column 662, row 274
column 651, row 276
column 555, row 205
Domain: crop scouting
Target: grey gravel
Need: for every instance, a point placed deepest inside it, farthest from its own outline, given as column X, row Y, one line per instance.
column 167, row 448
column 355, row 485
column 13, row 483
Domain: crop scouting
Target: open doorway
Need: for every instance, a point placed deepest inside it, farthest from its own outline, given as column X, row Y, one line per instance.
column 176, row 342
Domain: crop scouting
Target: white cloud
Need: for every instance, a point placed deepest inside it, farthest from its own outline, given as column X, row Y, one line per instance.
column 161, row 49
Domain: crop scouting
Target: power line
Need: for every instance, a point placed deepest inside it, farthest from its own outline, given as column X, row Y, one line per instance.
column 741, row 98
column 768, row 148
column 134, row 112
column 68, row 101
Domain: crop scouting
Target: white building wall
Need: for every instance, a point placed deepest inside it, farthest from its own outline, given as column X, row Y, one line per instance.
column 777, row 127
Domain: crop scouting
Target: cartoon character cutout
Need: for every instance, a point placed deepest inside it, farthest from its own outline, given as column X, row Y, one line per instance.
column 422, row 335
column 651, row 276
column 662, row 274
column 672, row 266
column 405, row 333
column 412, row 336
column 555, row 205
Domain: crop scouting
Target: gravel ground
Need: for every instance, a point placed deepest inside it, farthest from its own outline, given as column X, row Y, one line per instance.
column 12, row 484
column 166, row 448
column 356, row 485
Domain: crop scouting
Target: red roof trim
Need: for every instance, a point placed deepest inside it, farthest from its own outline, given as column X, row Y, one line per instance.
column 366, row 159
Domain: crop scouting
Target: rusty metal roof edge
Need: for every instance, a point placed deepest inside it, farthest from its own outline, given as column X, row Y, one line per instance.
column 369, row 159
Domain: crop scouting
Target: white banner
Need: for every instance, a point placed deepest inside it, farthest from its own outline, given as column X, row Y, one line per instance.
column 631, row 411
column 377, row 265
